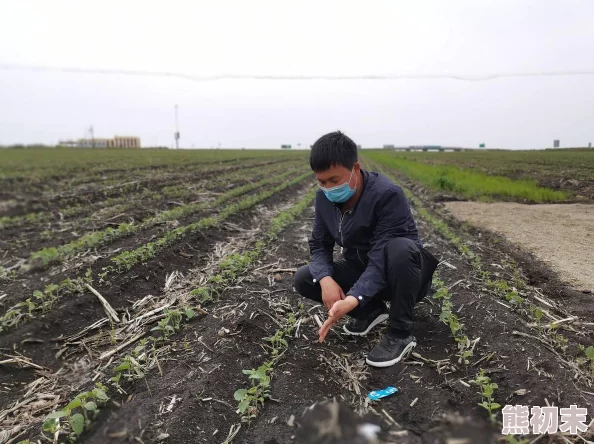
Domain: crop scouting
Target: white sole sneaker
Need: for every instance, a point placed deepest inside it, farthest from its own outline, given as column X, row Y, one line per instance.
column 381, row 318
column 407, row 350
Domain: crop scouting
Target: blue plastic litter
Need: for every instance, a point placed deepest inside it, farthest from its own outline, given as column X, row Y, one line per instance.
column 378, row 394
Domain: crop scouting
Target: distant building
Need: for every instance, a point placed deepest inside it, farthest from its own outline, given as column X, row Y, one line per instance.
column 124, row 142
column 286, row 147
column 388, row 147
column 116, row 142
column 93, row 143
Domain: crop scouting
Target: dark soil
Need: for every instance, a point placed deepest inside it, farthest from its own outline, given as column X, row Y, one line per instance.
column 433, row 405
column 445, row 408
column 21, row 241
column 583, row 190
column 24, row 285
column 78, row 311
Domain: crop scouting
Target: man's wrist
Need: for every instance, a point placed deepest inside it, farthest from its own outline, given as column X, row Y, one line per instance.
column 356, row 299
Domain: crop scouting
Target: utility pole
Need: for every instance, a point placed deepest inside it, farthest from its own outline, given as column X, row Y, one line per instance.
column 176, row 135
column 92, row 136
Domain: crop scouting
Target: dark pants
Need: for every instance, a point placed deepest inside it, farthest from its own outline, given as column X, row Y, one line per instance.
column 409, row 272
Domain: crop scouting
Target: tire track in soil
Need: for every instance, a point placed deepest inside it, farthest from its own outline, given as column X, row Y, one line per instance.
column 125, row 289
column 24, row 285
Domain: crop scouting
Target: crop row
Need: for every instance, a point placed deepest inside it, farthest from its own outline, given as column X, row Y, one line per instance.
column 31, row 165
column 43, row 300
column 78, row 415
column 77, row 202
column 100, row 238
column 147, row 198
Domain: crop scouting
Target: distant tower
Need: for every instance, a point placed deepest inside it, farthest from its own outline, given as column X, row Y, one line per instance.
column 92, row 134
column 176, row 135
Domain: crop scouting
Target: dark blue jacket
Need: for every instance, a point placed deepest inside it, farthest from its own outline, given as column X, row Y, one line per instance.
column 381, row 213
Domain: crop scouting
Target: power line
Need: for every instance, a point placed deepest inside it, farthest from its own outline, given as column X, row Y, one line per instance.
column 199, row 78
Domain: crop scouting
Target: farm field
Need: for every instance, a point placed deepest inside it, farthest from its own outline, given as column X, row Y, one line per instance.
column 147, row 297
column 567, row 175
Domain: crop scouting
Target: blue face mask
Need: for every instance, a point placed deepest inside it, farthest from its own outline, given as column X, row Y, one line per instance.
column 340, row 193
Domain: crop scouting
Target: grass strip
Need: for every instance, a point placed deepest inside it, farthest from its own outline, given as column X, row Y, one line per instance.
column 471, row 184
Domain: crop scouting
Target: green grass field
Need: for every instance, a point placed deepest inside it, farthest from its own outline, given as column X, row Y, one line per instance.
column 525, row 176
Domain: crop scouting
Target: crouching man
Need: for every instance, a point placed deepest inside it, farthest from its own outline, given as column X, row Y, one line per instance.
column 383, row 258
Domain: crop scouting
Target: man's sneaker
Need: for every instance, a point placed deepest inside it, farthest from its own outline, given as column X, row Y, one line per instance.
column 390, row 350
column 360, row 327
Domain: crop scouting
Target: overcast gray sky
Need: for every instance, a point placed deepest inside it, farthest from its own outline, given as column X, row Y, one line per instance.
column 331, row 38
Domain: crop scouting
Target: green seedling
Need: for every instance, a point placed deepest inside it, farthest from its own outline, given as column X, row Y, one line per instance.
column 78, row 414
column 588, row 360
column 134, row 365
column 251, row 399
column 487, row 390
column 537, row 314
column 4, row 274
column 514, row 298
column 172, row 321
column 236, row 264
column 204, row 294
column 464, row 349
column 277, row 342
column 558, row 339
column 45, row 234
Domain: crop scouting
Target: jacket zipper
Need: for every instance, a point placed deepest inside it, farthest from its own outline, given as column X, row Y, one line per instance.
column 340, row 225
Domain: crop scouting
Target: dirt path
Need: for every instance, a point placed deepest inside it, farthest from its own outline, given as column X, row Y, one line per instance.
column 561, row 235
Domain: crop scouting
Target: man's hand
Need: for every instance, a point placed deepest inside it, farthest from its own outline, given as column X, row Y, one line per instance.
column 331, row 292
column 338, row 310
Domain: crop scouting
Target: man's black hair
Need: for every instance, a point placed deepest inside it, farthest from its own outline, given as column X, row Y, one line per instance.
column 332, row 149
